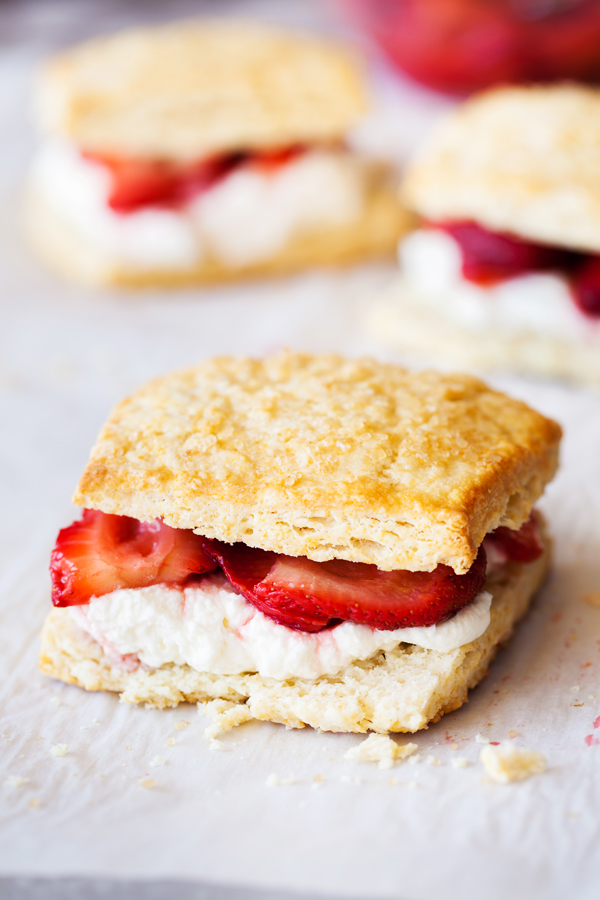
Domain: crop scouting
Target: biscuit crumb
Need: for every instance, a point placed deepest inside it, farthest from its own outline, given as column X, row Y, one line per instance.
column 454, row 746
column 16, row 781
column 59, row 749
column 318, row 778
column 460, row 762
column 157, row 761
column 181, row 725
column 148, row 782
column 393, row 781
column 380, row 748
column 170, row 742
column 592, row 598
column 33, row 802
column 225, row 715
column 275, row 781
column 507, row 762
column 576, row 687
column 512, row 733
column 481, row 739
column 433, row 760
column 414, row 759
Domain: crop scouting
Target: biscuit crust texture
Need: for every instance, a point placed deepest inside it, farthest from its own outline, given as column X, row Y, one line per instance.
column 399, row 691
column 327, row 458
column 404, row 323
column 517, row 159
column 195, row 88
column 373, row 234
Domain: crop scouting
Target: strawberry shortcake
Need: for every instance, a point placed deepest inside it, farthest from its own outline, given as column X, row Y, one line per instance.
column 334, row 543
column 504, row 270
column 199, row 151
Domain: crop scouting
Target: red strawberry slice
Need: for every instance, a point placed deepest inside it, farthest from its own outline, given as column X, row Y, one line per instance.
column 524, row 545
column 311, row 596
column 490, row 256
column 137, row 183
column 586, row 287
column 101, row 553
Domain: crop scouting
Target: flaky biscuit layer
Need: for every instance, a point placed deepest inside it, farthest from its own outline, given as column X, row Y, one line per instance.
column 325, row 458
column 400, row 690
column 195, row 88
column 374, row 234
column 405, row 324
column 519, row 159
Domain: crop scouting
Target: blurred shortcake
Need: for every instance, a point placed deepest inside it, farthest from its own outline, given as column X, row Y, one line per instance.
column 504, row 270
column 201, row 151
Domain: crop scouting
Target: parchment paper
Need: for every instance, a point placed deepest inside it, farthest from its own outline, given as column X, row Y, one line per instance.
column 341, row 827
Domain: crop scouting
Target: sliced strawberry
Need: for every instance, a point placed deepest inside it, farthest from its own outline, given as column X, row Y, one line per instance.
column 311, row 596
column 271, row 160
column 137, row 183
column 490, row 256
column 586, row 287
column 101, row 553
column 524, row 545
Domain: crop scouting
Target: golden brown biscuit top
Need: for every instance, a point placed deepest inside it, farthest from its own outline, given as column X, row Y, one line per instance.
column 326, row 458
column 520, row 159
column 196, row 88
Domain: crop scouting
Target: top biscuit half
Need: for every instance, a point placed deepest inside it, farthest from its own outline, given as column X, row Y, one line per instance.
column 197, row 88
column 524, row 160
column 325, row 458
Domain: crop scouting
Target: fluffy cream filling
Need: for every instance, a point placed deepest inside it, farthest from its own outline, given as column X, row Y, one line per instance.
column 246, row 217
column 212, row 628
column 431, row 263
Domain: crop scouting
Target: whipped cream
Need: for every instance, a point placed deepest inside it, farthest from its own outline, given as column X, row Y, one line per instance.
column 246, row 217
column 212, row 628
column 431, row 265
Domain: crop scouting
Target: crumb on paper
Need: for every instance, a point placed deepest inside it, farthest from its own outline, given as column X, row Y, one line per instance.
column 16, row 781
column 214, row 744
column 432, row 760
column 225, row 715
column 380, row 748
column 318, row 778
column 414, row 759
column 592, row 598
column 59, row 749
column 512, row 733
column 460, row 762
column 181, row 725
column 481, row 739
column 157, row 761
column 393, row 781
column 33, row 802
column 170, row 742
column 148, row 782
column 274, row 780
column 454, row 746
column 508, row 762
column 576, row 687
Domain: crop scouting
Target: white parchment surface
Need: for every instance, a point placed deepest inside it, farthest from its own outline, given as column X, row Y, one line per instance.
column 438, row 832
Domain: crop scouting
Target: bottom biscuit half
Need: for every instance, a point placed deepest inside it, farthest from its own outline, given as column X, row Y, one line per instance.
column 400, row 691
column 402, row 322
